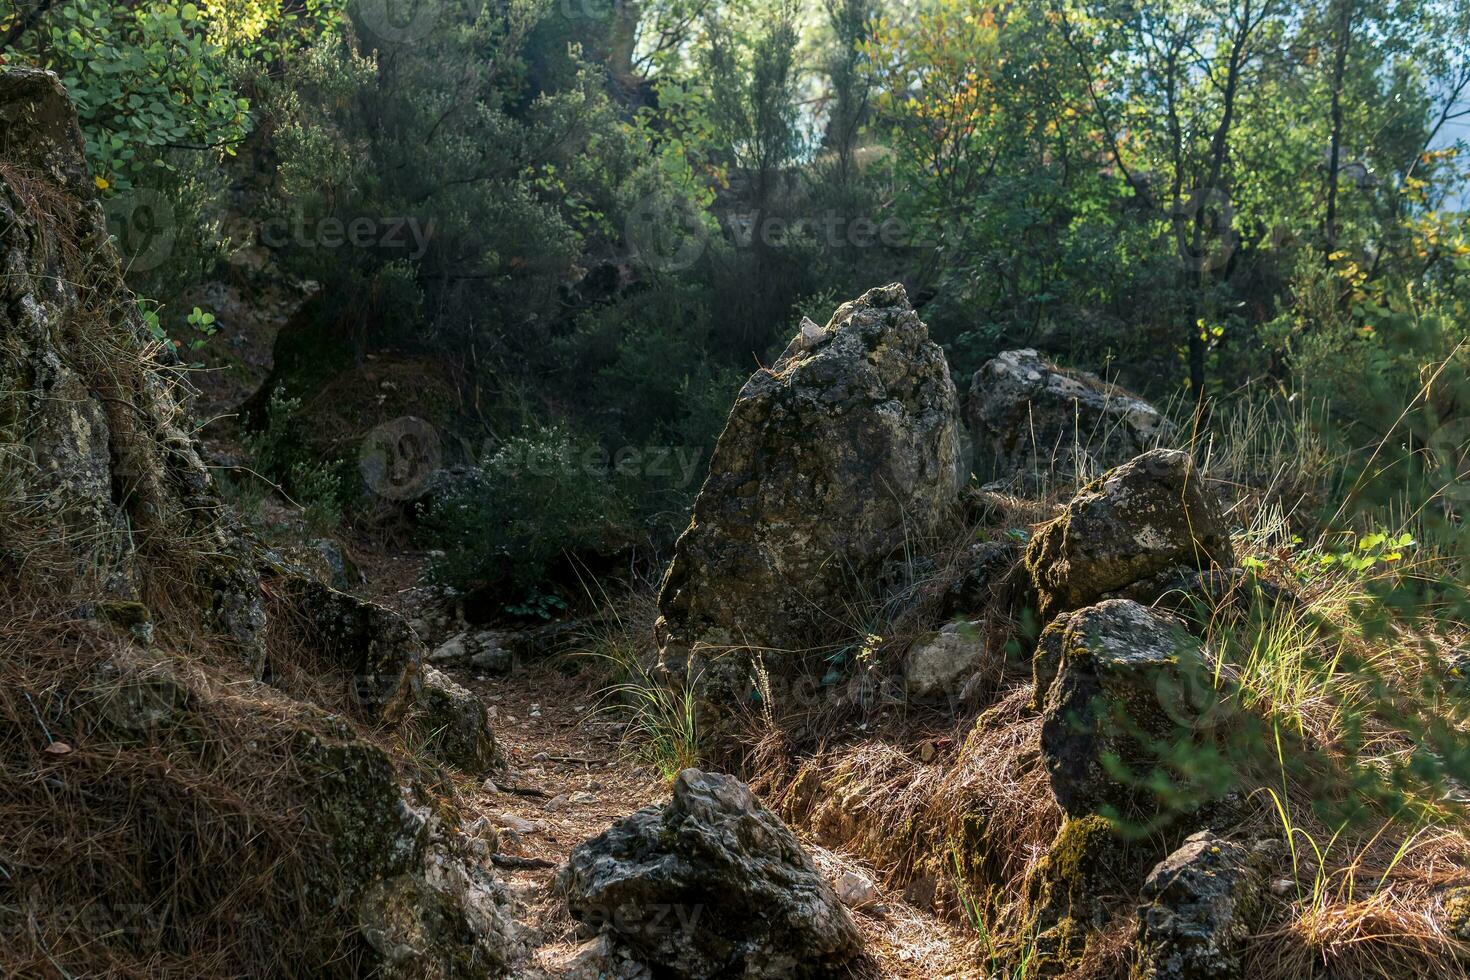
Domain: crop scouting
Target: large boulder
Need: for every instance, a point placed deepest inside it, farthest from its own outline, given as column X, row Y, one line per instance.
column 710, row 885
column 832, row 458
column 1122, row 689
column 1031, row 419
column 1197, row 910
column 1122, row 532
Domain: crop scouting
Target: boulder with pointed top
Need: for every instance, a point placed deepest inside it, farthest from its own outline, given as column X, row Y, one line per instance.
column 835, row 456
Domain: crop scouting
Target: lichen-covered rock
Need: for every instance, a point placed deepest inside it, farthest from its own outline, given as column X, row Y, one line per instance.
column 370, row 643
column 1121, row 687
column 455, row 724
column 1196, row 912
column 710, row 885
column 419, row 931
column 1140, row 520
column 1454, row 913
column 1089, row 874
column 1029, row 417
column 356, row 808
column 831, row 459
column 939, row 663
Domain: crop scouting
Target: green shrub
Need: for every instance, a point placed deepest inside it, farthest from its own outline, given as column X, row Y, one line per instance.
column 281, row 450
column 539, row 497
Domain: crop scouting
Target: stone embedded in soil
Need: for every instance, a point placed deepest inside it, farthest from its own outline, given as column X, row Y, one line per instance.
column 856, row 891
column 831, row 460
column 712, row 884
column 1197, row 911
column 456, row 724
column 1137, row 522
column 939, row 663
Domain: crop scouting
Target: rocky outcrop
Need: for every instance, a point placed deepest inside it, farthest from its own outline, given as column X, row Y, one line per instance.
column 1031, row 421
column 1122, row 688
column 99, row 471
column 1123, row 532
column 711, row 884
column 1197, row 910
column 831, row 459
column 243, row 826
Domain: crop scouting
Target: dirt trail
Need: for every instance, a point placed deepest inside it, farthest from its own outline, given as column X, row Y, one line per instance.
column 569, row 778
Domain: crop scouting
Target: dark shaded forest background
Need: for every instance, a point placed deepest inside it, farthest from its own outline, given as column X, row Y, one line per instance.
column 561, row 233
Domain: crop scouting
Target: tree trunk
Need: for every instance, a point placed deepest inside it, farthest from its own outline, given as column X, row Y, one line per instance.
column 1339, row 65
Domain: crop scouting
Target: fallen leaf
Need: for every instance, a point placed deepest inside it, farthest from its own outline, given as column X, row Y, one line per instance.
column 57, row 748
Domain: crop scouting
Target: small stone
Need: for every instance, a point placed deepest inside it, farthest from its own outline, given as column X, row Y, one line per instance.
column 452, row 650
column 855, row 891
column 938, row 664
column 580, row 797
column 556, row 802
column 512, row 822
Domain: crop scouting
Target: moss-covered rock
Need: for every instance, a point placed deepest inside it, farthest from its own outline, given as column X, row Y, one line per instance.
column 831, row 459
column 1138, row 521
column 1089, row 874
column 1127, row 694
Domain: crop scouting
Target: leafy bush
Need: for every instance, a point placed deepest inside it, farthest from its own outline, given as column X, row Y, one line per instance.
column 281, row 450
column 540, row 496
